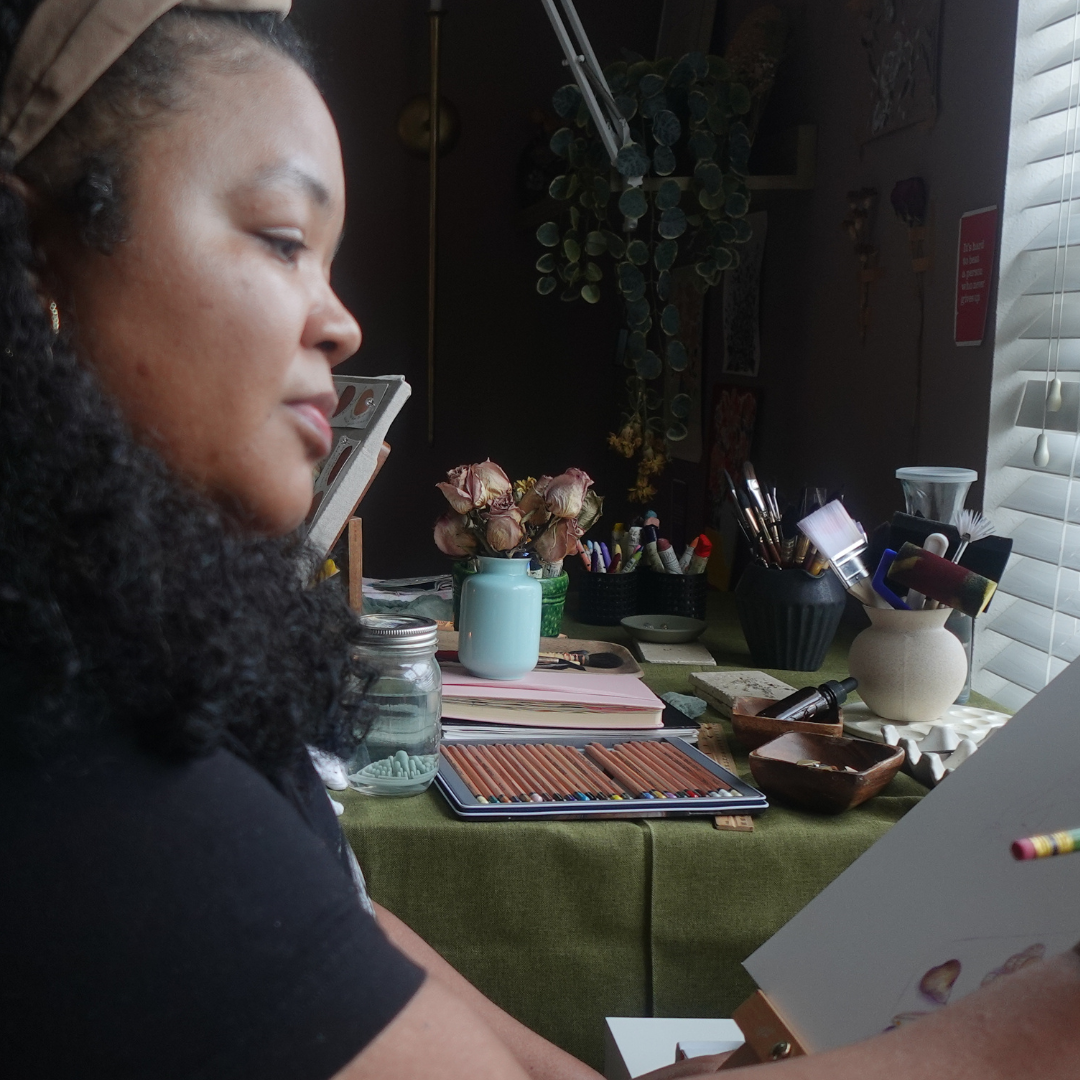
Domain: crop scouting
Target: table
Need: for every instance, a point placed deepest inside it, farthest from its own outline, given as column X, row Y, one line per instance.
column 564, row 923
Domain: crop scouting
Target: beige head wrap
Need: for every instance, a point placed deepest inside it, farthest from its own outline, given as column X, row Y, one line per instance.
column 69, row 44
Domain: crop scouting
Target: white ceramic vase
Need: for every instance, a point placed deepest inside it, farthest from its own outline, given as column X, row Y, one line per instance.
column 909, row 667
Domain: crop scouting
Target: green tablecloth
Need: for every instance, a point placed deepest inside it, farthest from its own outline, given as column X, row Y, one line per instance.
column 564, row 923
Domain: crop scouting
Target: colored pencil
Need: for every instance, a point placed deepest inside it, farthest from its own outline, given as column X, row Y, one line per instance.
column 475, row 783
column 510, row 782
column 511, row 766
column 558, row 784
column 580, row 785
column 597, row 784
column 693, row 768
column 539, row 782
column 644, row 768
column 483, row 766
column 627, row 777
column 659, row 764
column 595, row 775
column 695, row 784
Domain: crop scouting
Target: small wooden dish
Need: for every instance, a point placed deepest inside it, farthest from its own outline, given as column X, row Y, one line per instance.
column 776, row 770
column 754, row 731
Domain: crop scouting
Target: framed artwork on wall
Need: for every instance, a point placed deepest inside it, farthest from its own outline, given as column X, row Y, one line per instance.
column 901, row 42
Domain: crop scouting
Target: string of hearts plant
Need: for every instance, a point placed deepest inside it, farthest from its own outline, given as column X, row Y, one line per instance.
column 691, row 124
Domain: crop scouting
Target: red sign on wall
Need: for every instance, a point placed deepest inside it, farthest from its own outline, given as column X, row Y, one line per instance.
column 974, row 268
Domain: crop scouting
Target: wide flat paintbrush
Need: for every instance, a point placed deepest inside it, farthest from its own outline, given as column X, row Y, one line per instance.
column 941, row 580
column 836, row 536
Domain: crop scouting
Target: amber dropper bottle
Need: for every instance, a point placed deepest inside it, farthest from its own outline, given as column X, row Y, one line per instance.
column 805, row 704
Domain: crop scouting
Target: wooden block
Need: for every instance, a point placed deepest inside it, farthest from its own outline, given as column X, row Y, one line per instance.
column 768, row 1037
column 713, row 743
column 356, row 564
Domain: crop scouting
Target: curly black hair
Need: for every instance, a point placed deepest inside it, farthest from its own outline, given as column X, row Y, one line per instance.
column 127, row 599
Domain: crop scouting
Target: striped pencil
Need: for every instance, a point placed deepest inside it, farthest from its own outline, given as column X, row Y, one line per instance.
column 1042, row 847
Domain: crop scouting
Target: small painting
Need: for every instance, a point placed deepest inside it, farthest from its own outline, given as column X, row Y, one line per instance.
column 900, row 39
column 731, row 436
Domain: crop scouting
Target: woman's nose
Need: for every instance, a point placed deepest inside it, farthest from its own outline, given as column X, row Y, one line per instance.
column 333, row 331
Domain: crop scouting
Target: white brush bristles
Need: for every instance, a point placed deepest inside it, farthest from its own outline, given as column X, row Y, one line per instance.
column 972, row 526
column 832, row 530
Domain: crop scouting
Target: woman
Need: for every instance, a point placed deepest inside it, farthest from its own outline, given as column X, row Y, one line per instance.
column 176, row 899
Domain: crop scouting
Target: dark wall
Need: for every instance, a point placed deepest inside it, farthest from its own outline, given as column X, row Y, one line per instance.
column 837, row 412
column 531, row 381
column 527, row 380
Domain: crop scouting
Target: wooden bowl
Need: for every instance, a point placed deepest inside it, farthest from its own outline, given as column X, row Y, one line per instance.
column 754, row 731
column 776, row 770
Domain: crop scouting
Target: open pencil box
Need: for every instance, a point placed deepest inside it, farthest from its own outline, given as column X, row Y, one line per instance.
column 460, row 777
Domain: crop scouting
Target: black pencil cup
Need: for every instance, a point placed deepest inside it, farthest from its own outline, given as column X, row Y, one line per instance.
column 672, row 594
column 789, row 618
column 607, row 599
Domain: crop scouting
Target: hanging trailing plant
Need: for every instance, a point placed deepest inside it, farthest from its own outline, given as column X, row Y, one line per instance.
column 691, row 124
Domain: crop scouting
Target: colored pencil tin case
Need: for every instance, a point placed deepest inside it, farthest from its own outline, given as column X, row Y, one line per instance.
column 731, row 795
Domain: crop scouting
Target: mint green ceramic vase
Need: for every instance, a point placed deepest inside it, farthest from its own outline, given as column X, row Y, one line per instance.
column 499, row 624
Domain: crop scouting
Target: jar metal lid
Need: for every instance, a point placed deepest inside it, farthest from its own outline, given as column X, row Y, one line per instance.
column 399, row 631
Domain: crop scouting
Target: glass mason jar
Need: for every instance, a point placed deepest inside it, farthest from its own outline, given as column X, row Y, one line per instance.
column 400, row 754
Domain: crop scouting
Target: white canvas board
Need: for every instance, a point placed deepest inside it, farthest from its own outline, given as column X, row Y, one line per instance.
column 942, row 886
column 634, row 1045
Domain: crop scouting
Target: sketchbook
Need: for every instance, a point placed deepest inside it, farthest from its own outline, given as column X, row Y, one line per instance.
column 366, row 408
column 938, row 906
column 551, row 699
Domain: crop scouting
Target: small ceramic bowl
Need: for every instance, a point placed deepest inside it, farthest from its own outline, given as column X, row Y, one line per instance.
column 664, row 629
column 791, row 768
column 754, row 731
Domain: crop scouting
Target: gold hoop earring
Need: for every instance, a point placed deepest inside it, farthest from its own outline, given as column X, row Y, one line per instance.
column 54, row 316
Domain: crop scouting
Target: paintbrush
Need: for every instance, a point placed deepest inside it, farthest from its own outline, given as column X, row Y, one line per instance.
column 972, row 526
column 840, row 540
column 761, row 503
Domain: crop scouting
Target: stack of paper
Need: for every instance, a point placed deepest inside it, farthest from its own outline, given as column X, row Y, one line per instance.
column 552, row 699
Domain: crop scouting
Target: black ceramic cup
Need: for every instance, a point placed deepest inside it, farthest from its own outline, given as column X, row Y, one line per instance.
column 607, row 599
column 672, row 594
column 788, row 617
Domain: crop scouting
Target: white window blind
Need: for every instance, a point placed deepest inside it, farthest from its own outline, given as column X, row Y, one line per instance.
column 1033, row 627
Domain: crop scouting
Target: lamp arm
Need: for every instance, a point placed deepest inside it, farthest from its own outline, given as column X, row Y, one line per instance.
column 612, row 128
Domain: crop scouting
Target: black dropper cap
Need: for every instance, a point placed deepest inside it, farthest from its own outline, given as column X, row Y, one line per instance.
column 839, row 690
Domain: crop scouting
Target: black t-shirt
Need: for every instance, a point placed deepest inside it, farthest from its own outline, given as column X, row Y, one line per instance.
column 185, row 920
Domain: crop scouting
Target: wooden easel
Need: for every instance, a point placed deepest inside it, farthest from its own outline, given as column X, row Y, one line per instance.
column 768, row 1037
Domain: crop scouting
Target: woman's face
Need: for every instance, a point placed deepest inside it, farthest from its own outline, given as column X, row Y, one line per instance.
column 214, row 323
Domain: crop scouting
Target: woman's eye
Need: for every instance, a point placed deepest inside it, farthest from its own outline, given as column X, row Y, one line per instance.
column 285, row 247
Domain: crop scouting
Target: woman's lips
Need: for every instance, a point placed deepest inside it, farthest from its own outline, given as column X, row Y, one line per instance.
column 314, row 425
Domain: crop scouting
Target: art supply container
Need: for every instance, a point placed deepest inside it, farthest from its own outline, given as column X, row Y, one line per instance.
column 400, row 754
column 607, row 599
column 909, row 667
column 963, row 626
column 935, row 493
column 672, row 594
column 499, row 621
column 789, row 617
column 552, row 604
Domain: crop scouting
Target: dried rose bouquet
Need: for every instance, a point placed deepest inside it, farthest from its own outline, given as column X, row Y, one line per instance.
column 490, row 516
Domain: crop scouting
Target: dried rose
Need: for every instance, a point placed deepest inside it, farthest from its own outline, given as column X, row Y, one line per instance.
column 504, row 530
column 453, row 536
column 533, row 510
column 471, row 487
column 938, row 982
column 566, row 493
column 558, row 541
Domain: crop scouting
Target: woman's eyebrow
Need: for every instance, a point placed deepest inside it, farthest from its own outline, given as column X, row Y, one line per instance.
column 297, row 177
